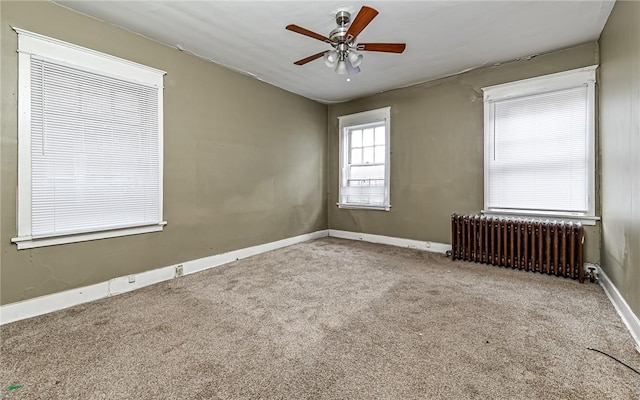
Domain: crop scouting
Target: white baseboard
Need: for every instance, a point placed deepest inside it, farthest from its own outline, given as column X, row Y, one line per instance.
column 628, row 317
column 393, row 241
column 58, row 301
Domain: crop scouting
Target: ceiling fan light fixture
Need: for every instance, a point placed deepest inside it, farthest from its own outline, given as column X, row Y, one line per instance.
column 355, row 58
column 341, row 67
column 330, row 58
column 351, row 70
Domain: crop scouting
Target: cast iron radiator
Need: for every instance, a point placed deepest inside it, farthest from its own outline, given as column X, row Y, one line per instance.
column 554, row 248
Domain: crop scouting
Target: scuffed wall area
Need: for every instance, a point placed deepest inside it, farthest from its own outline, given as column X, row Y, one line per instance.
column 620, row 144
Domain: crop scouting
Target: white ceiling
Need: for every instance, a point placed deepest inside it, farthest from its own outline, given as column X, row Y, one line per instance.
column 443, row 37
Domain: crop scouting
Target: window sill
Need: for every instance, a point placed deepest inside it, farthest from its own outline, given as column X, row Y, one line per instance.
column 583, row 219
column 28, row 242
column 363, row 207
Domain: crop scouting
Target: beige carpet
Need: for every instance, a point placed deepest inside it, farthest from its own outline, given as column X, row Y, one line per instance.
column 330, row 319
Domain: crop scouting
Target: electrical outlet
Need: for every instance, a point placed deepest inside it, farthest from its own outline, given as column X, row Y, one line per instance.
column 179, row 271
column 132, row 278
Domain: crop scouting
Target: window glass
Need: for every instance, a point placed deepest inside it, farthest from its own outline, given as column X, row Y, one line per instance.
column 379, row 135
column 367, row 137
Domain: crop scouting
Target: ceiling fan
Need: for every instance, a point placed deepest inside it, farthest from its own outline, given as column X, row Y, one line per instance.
column 345, row 57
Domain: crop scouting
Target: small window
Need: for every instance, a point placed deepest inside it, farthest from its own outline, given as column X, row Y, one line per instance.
column 90, row 144
column 539, row 145
column 364, row 160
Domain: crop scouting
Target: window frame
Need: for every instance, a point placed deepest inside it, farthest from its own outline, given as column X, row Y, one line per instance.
column 585, row 76
column 60, row 52
column 353, row 121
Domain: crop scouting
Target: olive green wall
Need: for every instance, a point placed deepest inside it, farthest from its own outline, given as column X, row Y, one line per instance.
column 244, row 162
column 620, row 144
column 437, row 147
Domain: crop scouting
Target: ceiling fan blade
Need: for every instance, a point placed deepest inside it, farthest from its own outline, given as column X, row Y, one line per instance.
column 383, row 47
column 364, row 17
column 310, row 58
column 306, row 32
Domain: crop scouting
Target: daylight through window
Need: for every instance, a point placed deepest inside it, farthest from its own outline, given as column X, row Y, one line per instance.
column 364, row 149
column 539, row 145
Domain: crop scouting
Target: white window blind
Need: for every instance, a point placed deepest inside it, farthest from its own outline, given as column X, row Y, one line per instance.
column 94, row 151
column 538, row 152
column 89, row 144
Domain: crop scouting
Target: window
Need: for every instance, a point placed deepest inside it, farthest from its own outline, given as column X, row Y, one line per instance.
column 89, row 144
column 539, row 145
column 364, row 160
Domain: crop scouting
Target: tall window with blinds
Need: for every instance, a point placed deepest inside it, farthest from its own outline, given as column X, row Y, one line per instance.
column 364, row 149
column 94, row 152
column 91, row 158
column 539, row 145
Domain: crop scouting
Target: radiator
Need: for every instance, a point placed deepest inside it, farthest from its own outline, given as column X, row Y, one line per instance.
column 554, row 248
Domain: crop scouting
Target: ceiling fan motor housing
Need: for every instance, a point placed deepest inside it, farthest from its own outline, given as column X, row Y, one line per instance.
column 338, row 35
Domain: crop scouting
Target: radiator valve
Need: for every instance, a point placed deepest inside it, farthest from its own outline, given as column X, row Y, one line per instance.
column 592, row 271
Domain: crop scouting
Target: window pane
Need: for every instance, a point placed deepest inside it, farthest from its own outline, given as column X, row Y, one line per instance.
column 356, row 156
column 379, row 135
column 367, row 155
column 367, row 137
column 356, row 138
column 379, row 154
